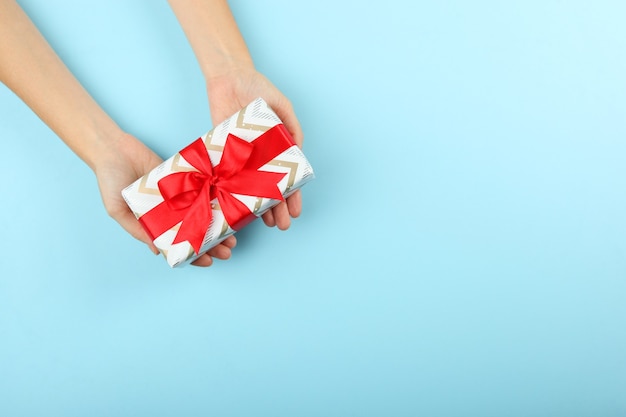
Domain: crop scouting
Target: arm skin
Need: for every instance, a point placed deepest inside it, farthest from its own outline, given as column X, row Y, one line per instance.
column 231, row 79
column 30, row 68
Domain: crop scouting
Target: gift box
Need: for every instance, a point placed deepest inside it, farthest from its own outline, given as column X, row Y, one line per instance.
column 218, row 184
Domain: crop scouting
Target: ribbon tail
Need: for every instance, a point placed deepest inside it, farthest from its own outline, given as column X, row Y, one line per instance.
column 198, row 156
column 196, row 222
column 237, row 214
column 160, row 219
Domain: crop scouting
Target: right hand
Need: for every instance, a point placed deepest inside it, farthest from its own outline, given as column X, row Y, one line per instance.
column 228, row 93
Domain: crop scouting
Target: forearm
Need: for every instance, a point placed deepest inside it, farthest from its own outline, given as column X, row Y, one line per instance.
column 214, row 36
column 30, row 68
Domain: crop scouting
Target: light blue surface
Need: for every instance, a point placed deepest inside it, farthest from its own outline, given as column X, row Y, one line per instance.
column 462, row 251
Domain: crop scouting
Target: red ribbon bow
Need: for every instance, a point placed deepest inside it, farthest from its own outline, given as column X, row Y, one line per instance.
column 188, row 195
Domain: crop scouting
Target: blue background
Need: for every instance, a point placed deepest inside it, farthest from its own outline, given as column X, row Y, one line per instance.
column 462, row 251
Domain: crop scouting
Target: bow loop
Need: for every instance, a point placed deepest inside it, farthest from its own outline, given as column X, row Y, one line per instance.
column 181, row 189
column 236, row 153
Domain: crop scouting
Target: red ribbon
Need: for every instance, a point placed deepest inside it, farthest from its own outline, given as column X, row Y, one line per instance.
column 188, row 195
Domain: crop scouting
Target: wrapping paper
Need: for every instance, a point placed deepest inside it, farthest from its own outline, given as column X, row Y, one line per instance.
column 255, row 127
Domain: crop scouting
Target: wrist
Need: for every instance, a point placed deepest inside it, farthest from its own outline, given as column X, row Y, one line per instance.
column 106, row 145
column 213, row 34
column 224, row 85
column 224, row 65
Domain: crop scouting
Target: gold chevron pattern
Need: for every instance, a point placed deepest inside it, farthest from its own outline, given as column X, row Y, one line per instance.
column 144, row 189
column 242, row 125
column 257, row 205
column 176, row 167
column 208, row 142
column 293, row 169
column 224, row 228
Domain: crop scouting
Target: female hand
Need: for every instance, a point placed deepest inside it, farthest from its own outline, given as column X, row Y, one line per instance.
column 228, row 93
column 127, row 160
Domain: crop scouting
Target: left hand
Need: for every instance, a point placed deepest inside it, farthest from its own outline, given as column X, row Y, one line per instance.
column 230, row 92
column 125, row 160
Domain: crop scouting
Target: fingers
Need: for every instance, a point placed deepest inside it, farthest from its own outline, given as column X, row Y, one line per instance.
column 281, row 216
column 223, row 250
column 203, row 261
column 230, row 241
column 278, row 216
column 268, row 219
column 294, row 204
